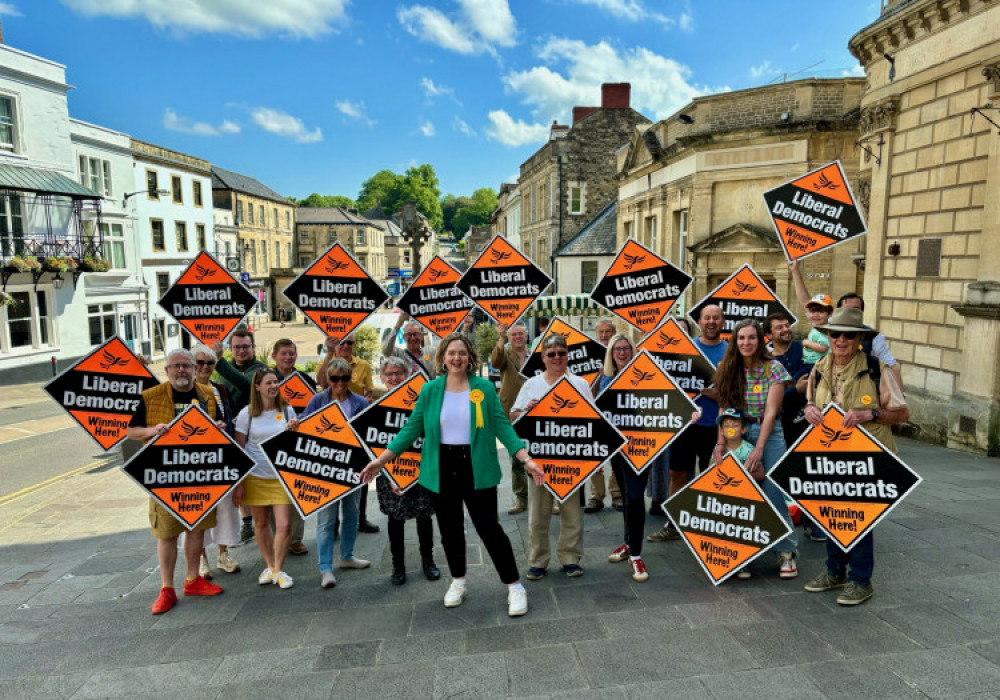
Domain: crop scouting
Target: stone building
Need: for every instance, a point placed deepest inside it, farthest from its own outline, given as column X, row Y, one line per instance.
column 932, row 277
column 506, row 218
column 318, row 228
column 691, row 185
column 566, row 182
column 476, row 240
column 399, row 253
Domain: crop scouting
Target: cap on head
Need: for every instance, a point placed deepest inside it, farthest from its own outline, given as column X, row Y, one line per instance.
column 821, row 300
column 731, row 413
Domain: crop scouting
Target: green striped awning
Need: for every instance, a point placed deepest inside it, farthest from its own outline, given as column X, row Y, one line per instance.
column 16, row 177
column 566, row 305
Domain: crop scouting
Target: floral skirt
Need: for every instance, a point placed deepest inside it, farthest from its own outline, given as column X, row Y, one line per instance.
column 414, row 503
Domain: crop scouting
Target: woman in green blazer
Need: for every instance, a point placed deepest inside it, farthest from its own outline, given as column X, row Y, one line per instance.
column 461, row 419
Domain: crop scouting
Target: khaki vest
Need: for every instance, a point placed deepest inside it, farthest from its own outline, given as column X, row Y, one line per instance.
column 160, row 403
column 858, row 390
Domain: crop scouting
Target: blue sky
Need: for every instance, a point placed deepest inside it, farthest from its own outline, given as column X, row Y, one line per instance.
column 317, row 95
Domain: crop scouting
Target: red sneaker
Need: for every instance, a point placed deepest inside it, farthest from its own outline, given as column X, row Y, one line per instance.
column 639, row 572
column 620, row 554
column 201, row 587
column 165, row 600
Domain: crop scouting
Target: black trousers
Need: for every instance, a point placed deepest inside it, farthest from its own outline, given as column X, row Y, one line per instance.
column 425, row 536
column 456, row 487
column 633, row 487
column 693, row 445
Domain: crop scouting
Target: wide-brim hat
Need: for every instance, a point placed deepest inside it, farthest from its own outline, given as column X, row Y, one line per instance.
column 847, row 320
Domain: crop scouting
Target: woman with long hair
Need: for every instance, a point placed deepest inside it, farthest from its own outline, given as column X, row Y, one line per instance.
column 266, row 416
column 750, row 380
column 461, row 419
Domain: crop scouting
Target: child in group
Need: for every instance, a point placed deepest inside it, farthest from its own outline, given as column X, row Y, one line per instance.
column 816, row 344
column 731, row 422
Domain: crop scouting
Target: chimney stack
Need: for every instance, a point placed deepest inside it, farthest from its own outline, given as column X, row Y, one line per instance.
column 580, row 112
column 616, row 95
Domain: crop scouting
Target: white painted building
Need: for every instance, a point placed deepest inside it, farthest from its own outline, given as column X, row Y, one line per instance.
column 174, row 220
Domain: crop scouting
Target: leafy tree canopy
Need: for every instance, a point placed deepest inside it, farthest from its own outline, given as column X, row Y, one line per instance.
column 327, row 200
column 477, row 212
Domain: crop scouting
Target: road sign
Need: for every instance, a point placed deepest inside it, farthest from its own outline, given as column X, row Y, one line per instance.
column 244, row 277
column 814, row 212
column 725, row 519
column 102, row 391
column 207, row 300
column 379, row 424
column 434, row 301
column 640, row 286
column 648, row 407
column 191, row 467
column 503, row 282
column 568, row 438
column 679, row 356
column 844, row 478
column 319, row 463
column 586, row 355
column 297, row 390
column 336, row 293
column 742, row 295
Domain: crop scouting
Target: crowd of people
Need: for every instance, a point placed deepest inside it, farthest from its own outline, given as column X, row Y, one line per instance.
column 768, row 388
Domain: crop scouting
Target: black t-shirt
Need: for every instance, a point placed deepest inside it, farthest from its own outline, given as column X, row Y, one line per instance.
column 181, row 401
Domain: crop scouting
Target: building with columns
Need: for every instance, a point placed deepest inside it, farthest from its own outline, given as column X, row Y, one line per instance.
column 932, row 282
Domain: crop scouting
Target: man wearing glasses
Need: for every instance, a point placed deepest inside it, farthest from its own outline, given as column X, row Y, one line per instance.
column 238, row 374
column 413, row 353
column 158, row 408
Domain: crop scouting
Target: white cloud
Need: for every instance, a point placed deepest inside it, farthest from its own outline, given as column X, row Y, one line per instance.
column 857, row 71
column 575, row 70
column 478, row 26
column 433, row 90
column 459, row 124
column 291, row 18
column 764, row 69
column 8, row 9
column 427, row 128
column 354, row 110
column 175, row 122
column 636, row 11
column 284, row 124
column 514, row 132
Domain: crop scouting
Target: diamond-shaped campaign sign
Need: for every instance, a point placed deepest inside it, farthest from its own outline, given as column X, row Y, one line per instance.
column 336, row 293
column 191, row 467
column 648, row 407
column 503, row 282
column 207, row 300
column 297, row 389
column 319, row 463
column 815, row 212
column 102, row 391
column 434, row 301
column 845, row 479
column 379, row 424
column 586, row 356
column 568, row 438
column 679, row 356
column 725, row 518
column 640, row 286
column 742, row 295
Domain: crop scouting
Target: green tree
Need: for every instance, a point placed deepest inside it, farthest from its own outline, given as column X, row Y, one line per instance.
column 483, row 202
column 449, row 205
column 382, row 188
column 366, row 342
column 390, row 190
column 327, row 200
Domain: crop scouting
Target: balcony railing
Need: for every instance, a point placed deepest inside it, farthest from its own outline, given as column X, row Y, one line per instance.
column 37, row 225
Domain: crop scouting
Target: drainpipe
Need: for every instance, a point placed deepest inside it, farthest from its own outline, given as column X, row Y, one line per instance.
column 552, row 254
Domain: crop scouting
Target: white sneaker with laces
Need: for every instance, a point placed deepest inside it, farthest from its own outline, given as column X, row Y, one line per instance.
column 327, row 580
column 455, row 595
column 284, row 580
column 786, row 565
column 204, row 570
column 517, row 602
column 266, row 577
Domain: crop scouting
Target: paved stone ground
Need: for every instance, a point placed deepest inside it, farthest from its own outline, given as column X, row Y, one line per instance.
column 77, row 578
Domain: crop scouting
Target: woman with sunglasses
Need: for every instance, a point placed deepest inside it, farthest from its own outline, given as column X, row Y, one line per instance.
column 266, row 416
column 569, row 549
column 873, row 397
column 226, row 532
column 633, row 486
column 338, row 379
column 750, row 380
column 461, row 419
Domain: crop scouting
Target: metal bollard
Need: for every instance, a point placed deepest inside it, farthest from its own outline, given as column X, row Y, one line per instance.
column 55, row 369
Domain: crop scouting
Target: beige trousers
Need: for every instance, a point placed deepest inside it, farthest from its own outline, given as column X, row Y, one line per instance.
column 597, row 485
column 569, row 548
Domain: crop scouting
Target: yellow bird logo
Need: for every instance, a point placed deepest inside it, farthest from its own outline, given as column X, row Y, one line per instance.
column 825, row 183
column 110, row 360
column 723, row 480
column 833, row 436
column 559, row 403
column 641, row 376
column 189, row 431
column 333, row 265
column 498, row 256
column 740, row 287
column 202, row 272
column 325, row 426
column 632, row 260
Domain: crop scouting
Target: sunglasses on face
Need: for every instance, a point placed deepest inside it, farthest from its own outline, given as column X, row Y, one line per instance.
column 851, row 335
column 348, row 342
column 557, row 353
column 202, row 363
column 340, row 379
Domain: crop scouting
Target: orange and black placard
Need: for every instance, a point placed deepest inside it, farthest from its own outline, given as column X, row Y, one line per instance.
column 568, row 438
column 379, row 424
column 503, row 282
column 679, row 356
column 640, row 286
column 845, row 479
column 319, row 463
column 336, row 293
column 742, row 295
column 434, row 301
column 586, row 355
column 191, row 467
column 297, row 389
column 102, row 391
column 207, row 300
column 815, row 211
column 648, row 407
column 725, row 519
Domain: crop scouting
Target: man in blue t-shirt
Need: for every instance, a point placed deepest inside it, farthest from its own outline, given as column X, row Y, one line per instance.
column 693, row 448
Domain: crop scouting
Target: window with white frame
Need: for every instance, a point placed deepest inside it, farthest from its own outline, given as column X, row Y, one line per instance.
column 28, row 322
column 11, row 225
column 361, row 236
column 650, row 237
column 682, row 236
column 101, row 320
column 406, row 257
column 8, row 124
column 114, row 244
column 575, row 199
column 200, row 233
column 96, row 174
column 588, row 275
column 162, row 283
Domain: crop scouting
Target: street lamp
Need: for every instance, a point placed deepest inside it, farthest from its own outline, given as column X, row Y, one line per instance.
column 159, row 193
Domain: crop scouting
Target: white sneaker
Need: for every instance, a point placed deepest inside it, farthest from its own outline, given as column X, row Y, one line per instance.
column 284, row 580
column 455, row 595
column 353, row 563
column 517, row 602
column 204, row 570
column 266, row 577
column 327, row 580
column 786, row 565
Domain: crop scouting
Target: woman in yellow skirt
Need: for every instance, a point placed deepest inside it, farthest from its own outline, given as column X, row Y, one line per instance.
column 266, row 416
